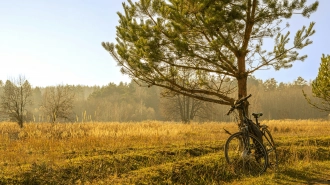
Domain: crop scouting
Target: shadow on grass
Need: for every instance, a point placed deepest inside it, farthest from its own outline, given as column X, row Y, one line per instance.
column 303, row 176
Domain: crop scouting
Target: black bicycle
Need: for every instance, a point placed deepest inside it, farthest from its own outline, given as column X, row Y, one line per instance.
column 244, row 150
column 268, row 142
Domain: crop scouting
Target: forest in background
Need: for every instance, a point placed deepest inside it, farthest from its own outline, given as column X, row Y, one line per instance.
column 130, row 102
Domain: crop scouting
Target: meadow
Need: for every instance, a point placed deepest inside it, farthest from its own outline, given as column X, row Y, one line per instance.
column 153, row 152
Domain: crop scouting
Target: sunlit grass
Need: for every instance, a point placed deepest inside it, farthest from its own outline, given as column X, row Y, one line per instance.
column 149, row 151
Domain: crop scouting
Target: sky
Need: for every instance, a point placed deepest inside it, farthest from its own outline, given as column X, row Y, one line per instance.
column 59, row 42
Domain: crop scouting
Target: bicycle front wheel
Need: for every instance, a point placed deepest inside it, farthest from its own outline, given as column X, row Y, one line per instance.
column 243, row 159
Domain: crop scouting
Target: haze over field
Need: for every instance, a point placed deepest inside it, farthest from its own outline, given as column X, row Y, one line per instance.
column 68, row 116
column 53, row 42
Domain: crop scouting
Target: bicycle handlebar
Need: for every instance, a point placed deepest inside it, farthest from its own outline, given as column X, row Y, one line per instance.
column 243, row 99
column 237, row 103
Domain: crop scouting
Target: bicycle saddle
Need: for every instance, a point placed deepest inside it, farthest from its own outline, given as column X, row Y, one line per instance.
column 257, row 115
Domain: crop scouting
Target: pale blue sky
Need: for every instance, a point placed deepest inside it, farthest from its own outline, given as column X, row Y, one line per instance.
column 53, row 42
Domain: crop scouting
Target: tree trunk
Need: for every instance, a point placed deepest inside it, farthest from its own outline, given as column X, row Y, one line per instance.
column 187, row 110
column 181, row 107
column 242, row 85
column 20, row 122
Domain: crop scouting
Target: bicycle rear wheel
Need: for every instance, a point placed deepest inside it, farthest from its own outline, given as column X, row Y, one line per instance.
column 243, row 160
column 269, row 144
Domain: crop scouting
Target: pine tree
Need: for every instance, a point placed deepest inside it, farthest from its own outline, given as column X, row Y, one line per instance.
column 321, row 86
column 157, row 40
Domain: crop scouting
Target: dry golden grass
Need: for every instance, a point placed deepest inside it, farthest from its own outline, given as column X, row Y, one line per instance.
column 62, row 146
column 54, row 142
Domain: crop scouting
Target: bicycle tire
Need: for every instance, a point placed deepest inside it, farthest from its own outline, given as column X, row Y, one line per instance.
column 242, row 162
column 269, row 144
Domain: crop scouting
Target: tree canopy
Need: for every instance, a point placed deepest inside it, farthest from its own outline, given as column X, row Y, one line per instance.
column 58, row 102
column 15, row 99
column 158, row 41
column 321, row 86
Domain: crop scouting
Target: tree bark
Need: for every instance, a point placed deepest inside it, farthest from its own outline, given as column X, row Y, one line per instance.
column 242, row 84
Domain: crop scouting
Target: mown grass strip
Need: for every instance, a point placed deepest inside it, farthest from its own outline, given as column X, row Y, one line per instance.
column 90, row 168
column 207, row 169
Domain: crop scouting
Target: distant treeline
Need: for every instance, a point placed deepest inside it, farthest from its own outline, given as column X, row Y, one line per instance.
column 129, row 102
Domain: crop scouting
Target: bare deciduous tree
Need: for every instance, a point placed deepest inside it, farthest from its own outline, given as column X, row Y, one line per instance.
column 16, row 96
column 58, row 102
column 175, row 106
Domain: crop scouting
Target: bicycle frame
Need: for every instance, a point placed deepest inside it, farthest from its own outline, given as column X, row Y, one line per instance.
column 245, row 126
column 245, row 130
column 246, row 140
column 263, row 130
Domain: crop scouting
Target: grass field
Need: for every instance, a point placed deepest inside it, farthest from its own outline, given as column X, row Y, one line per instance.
column 154, row 152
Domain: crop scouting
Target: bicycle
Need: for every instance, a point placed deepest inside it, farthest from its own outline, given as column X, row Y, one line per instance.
column 244, row 151
column 269, row 143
